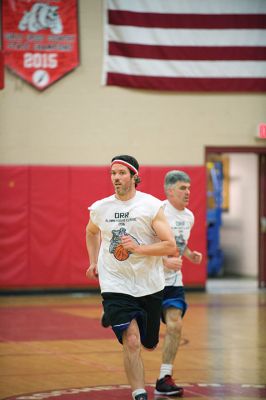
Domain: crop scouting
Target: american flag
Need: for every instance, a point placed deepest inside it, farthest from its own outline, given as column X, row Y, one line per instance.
column 186, row 45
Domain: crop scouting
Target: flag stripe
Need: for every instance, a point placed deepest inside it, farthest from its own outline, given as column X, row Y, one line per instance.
column 187, row 21
column 187, row 37
column 186, row 53
column 187, row 84
column 185, row 6
column 199, row 69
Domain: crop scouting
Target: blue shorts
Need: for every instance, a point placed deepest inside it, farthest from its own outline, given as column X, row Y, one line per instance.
column 174, row 296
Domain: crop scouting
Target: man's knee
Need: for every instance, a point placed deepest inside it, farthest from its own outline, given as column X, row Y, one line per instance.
column 174, row 321
column 131, row 337
column 132, row 341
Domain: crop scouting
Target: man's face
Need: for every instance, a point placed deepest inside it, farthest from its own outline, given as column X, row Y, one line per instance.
column 180, row 194
column 122, row 180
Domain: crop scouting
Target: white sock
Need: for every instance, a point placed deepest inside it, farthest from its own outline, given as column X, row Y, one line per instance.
column 138, row 391
column 166, row 369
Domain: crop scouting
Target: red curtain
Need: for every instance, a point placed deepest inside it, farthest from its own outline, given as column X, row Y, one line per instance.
column 43, row 216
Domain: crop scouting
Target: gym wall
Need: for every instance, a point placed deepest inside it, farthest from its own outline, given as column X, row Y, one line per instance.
column 78, row 121
column 44, row 216
column 53, row 142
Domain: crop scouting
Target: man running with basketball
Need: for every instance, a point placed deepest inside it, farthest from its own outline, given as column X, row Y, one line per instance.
column 126, row 237
column 181, row 219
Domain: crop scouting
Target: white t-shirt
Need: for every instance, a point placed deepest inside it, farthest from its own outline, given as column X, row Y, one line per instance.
column 181, row 223
column 120, row 271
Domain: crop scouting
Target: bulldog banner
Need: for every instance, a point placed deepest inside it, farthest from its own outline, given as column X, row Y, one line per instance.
column 40, row 39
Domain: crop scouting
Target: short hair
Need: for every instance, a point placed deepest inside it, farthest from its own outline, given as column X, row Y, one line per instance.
column 131, row 160
column 172, row 177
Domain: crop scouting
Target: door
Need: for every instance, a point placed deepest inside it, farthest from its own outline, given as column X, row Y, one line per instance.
column 261, row 152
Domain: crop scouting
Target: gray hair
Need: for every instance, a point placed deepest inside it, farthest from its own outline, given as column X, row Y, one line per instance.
column 175, row 176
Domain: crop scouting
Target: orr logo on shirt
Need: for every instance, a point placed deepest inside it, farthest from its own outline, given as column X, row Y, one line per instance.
column 119, row 215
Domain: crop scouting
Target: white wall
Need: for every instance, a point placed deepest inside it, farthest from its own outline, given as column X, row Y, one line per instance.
column 78, row 121
column 239, row 233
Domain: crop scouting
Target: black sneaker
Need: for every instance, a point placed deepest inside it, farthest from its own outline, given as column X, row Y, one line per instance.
column 168, row 387
column 142, row 396
column 104, row 321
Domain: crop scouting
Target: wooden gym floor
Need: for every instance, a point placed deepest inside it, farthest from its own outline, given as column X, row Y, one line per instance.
column 53, row 345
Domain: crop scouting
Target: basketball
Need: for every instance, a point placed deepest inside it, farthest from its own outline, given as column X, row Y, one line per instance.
column 177, row 253
column 120, row 253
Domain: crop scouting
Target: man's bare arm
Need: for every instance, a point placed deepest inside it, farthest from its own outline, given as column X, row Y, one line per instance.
column 193, row 256
column 166, row 245
column 93, row 242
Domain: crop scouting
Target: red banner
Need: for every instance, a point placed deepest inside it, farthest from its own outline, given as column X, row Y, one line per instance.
column 40, row 39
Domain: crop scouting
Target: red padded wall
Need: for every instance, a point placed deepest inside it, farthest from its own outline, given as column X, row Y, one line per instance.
column 49, row 226
column 14, row 226
column 43, row 215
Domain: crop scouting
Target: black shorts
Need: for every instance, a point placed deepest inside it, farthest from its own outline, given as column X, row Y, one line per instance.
column 174, row 296
column 120, row 309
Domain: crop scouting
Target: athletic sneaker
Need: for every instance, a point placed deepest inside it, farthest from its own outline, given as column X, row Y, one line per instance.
column 168, row 387
column 104, row 322
column 142, row 396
